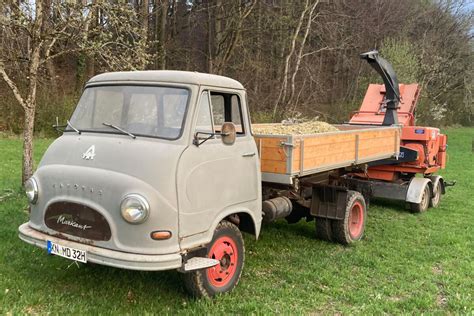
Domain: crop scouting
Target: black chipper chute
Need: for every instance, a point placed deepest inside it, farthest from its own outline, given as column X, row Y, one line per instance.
column 392, row 92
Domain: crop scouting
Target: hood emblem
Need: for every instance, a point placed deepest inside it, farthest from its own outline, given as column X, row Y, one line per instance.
column 89, row 154
column 62, row 220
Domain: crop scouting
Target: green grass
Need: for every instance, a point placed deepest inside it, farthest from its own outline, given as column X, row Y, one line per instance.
column 406, row 264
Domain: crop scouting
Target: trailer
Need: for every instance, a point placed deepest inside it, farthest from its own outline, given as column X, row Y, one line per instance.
column 160, row 170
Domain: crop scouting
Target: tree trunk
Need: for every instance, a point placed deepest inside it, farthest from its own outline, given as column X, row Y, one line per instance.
column 28, row 129
column 164, row 15
column 210, row 40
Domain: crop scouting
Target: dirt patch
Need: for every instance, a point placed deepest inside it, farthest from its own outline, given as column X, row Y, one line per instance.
column 441, row 298
column 437, row 269
column 310, row 127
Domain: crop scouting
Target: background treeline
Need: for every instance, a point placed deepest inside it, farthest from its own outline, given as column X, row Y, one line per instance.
column 296, row 58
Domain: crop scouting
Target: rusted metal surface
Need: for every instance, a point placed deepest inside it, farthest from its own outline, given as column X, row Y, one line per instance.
column 77, row 220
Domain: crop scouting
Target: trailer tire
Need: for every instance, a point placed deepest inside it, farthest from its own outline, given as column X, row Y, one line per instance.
column 424, row 203
column 323, row 229
column 351, row 228
column 437, row 193
column 227, row 245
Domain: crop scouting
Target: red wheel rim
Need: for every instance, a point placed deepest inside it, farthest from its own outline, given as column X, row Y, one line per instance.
column 224, row 250
column 356, row 219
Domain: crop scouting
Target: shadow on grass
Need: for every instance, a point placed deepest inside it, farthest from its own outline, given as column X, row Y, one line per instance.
column 393, row 205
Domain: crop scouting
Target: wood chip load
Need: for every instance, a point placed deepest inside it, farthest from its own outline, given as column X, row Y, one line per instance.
column 305, row 128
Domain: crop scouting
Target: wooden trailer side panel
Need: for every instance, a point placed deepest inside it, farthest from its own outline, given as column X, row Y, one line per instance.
column 324, row 152
column 306, row 154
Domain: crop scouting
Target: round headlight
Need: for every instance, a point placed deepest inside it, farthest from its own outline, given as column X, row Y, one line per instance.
column 31, row 190
column 135, row 208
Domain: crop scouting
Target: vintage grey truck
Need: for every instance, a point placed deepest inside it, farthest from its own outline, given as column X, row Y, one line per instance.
column 160, row 170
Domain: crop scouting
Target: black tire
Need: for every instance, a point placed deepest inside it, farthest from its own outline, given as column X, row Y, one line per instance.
column 323, row 229
column 437, row 193
column 351, row 228
column 203, row 283
column 425, row 201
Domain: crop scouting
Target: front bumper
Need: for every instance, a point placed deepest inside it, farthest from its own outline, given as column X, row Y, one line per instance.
column 103, row 256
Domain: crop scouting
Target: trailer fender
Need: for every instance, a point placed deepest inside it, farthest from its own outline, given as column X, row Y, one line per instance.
column 435, row 180
column 416, row 188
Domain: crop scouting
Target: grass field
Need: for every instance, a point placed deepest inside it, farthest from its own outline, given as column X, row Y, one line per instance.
column 406, row 264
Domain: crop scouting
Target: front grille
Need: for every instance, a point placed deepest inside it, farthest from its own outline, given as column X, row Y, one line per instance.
column 77, row 220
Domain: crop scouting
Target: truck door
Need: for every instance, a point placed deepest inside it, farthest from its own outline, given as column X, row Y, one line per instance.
column 215, row 179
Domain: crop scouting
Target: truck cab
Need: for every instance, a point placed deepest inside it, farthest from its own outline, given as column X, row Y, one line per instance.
column 149, row 166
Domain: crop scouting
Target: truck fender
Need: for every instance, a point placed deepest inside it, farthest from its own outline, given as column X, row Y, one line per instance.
column 198, row 240
column 435, row 180
column 416, row 188
column 257, row 223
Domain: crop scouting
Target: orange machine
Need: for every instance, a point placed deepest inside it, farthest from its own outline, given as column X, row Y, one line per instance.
column 422, row 149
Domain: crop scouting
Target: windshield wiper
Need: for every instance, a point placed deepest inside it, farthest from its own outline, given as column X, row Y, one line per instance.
column 75, row 129
column 57, row 127
column 119, row 129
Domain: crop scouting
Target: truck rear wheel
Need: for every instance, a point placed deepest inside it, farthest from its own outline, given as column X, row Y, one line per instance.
column 351, row 228
column 323, row 228
column 227, row 246
column 425, row 202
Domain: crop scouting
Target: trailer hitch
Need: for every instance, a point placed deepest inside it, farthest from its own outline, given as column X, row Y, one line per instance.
column 450, row 183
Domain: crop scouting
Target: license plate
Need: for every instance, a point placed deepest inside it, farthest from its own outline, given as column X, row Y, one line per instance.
column 67, row 252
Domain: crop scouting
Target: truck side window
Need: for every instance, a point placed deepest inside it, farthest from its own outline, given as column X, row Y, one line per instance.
column 204, row 121
column 236, row 114
column 218, row 112
column 227, row 108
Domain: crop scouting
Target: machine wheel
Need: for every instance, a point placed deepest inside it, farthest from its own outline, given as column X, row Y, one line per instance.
column 425, row 202
column 351, row 228
column 227, row 246
column 323, row 229
column 437, row 192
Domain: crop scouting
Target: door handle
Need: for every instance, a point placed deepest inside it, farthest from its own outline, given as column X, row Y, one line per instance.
column 248, row 154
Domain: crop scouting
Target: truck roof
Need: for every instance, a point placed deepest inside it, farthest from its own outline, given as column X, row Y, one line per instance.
column 173, row 76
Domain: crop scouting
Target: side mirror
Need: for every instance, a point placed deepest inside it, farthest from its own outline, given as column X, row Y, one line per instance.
column 228, row 133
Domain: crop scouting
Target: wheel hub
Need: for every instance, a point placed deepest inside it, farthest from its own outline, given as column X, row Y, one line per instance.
column 224, row 249
column 356, row 220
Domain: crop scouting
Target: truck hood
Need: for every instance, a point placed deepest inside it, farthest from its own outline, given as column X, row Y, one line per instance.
column 150, row 160
column 96, row 172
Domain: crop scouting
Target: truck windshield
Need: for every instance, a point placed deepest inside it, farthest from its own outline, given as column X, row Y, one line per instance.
column 141, row 110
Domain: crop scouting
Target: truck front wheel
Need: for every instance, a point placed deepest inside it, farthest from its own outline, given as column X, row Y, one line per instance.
column 351, row 228
column 227, row 246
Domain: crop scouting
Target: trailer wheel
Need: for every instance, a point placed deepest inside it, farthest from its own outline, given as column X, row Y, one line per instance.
column 436, row 198
column 227, row 246
column 351, row 228
column 323, row 229
column 425, row 202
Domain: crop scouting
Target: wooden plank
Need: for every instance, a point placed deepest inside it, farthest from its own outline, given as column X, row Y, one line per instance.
column 273, row 166
column 271, row 141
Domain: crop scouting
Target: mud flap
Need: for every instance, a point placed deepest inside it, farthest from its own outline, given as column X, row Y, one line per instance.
column 416, row 188
column 329, row 202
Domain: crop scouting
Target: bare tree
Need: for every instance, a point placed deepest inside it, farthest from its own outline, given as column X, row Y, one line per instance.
column 283, row 99
column 225, row 20
column 34, row 38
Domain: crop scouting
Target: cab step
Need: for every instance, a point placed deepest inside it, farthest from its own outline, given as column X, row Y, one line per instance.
column 197, row 263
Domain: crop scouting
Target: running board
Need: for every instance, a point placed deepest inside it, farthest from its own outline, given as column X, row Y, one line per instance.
column 197, row 263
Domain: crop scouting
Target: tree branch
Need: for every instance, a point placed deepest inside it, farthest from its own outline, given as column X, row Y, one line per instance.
column 12, row 86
